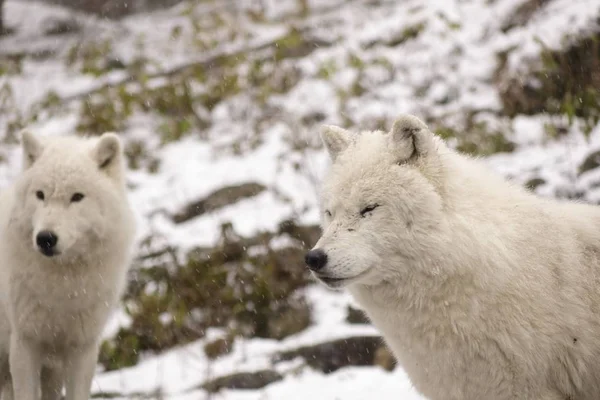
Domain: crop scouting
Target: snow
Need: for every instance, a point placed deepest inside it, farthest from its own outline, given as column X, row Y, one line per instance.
column 181, row 369
column 443, row 73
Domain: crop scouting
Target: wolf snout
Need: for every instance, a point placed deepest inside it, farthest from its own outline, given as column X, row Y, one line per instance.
column 46, row 242
column 315, row 259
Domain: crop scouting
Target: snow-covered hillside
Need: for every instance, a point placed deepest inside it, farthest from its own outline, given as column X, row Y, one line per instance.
column 219, row 103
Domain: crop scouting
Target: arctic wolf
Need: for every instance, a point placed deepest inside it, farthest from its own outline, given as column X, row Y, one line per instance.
column 482, row 290
column 67, row 232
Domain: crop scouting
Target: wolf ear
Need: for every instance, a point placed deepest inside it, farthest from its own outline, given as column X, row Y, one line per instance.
column 108, row 153
column 32, row 148
column 410, row 137
column 335, row 139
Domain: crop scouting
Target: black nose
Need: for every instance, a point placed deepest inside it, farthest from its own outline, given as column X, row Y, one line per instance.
column 315, row 259
column 46, row 240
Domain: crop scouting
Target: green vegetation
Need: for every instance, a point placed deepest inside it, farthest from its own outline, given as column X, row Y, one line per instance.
column 477, row 139
column 565, row 82
column 248, row 295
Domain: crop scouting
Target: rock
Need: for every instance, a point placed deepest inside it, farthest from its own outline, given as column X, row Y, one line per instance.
column 114, row 8
column 356, row 316
column 218, row 199
column 592, row 161
column 568, row 192
column 522, row 14
column 243, row 380
column 57, row 26
column 306, row 234
column 1, row 17
column 385, row 358
column 533, row 183
column 106, row 395
column 218, row 347
column 330, row 356
column 292, row 320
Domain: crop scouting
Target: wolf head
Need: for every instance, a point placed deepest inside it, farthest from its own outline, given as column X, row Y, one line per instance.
column 380, row 200
column 69, row 199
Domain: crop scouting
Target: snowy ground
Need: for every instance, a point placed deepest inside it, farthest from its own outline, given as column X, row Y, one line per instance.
column 178, row 372
column 443, row 72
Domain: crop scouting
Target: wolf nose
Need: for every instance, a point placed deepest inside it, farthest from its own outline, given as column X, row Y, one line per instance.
column 315, row 259
column 46, row 240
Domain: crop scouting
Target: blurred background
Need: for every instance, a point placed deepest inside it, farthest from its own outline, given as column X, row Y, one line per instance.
column 219, row 103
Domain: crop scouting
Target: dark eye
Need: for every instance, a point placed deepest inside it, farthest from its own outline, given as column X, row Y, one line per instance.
column 77, row 197
column 368, row 209
column 40, row 195
column 328, row 213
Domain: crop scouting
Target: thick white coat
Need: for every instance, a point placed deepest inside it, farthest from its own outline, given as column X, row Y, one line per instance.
column 483, row 290
column 54, row 309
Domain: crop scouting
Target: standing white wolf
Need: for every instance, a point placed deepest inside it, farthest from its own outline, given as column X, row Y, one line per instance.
column 482, row 290
column 67, row 233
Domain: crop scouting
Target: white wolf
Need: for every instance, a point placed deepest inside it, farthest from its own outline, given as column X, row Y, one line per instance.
column 67, row 232
column 482, row 290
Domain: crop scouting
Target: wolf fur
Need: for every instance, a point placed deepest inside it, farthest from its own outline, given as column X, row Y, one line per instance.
column 56, row 300
column 483, row 290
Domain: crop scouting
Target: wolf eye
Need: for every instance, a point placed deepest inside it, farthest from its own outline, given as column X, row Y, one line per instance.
column 368, row 209
column 328, row 213
column 77, row 197
column 40, row 195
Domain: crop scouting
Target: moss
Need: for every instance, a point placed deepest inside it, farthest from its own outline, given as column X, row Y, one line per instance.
column 171, row 100
column 62, row 27
column 295, row 44
column 555, row 129
column 176, row 32
column 171, row 130
column 384, row 62
column 110, row 108
column 356, row 62
column 451, row 24
column 91, row 57
column 409, row 32
column 138, row 156
column 476, row 139
column 266, row 79
column 285, row 46
column 226, row 85
column 120, row 352
column 304, row 6
column 327, row 69
column 563, row 82
column 15, row 120
column 218, row 347
column 11, row 64
column 248, row 295
column 522, row 14
column 134, row 152
column 486, row 144
column 357, row 89
column 51, row 101
column 102, row 113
